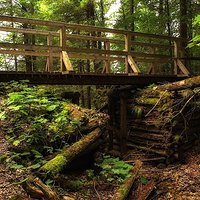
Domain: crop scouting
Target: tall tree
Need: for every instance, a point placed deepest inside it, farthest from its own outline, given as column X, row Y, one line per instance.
column 183, row 19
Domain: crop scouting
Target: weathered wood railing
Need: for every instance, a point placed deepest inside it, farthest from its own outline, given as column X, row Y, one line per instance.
column 94, row 43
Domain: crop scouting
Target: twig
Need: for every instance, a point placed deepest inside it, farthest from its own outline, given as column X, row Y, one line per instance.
column 99, row 197
column 184, row 106
column 155, row 104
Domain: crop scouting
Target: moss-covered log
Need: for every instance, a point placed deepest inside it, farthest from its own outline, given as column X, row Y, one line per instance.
column 180, row 85
column 124, row 189
column 56, row 164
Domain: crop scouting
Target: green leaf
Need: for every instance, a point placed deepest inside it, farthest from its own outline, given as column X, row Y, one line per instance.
column 52, row 107
column 16, row 166
column 36, row 166
column 3, row 115
column 49, row 182
column 143, row 180
column 16, row 143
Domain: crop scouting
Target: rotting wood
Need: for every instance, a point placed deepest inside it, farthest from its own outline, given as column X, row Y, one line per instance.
column 181, row 85
column 144, row 191
column 37, row 189
column 124, row 189
column 162, row 119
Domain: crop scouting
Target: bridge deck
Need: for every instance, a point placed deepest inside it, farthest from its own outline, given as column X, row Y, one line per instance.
column 87, row 79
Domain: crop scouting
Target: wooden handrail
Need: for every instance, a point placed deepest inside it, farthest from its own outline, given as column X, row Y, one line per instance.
column 88, row 28
column 144, row 48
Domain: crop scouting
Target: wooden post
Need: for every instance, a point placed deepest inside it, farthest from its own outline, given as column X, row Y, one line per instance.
column 107, row 61
column 152, row 69
column 111, row 109
column 178, row 64
column 62, row 45
column 131, row 65
column 50, row 58
column 128, row 49
column 176, row 56
column 123, row 122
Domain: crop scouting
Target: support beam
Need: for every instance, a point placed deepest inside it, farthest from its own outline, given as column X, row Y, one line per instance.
column 67, row 63
column 123, row 122
column 133, row 65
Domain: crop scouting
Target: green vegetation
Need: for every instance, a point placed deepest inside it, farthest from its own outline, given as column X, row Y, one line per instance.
column 111, row 170
column 114, row 169
column 196, row 39
column 37, row 124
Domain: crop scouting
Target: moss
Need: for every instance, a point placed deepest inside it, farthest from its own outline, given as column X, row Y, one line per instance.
column 138, row 111
column 76, row 185
column 123, row 191
column 149, row 101
column 55, row 165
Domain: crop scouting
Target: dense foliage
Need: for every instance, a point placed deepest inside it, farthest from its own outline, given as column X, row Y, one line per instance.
column 36, row 122
column 196, row 40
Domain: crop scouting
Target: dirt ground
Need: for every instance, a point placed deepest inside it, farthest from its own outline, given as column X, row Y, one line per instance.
column 173, row 182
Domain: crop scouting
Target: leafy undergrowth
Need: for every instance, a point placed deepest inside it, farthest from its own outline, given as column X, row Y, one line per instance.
column 38, row 124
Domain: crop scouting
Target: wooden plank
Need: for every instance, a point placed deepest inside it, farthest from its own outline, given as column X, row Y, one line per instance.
column 128, row 50
column 143, row 44
column 30, row 47
column 62, row 45
column 94, row 57
column 81, row 37
column 29, row 31
column 182, row 67
column 67, row 63
column 107, row 60
column 27, row 53
column 152, row 69
column 92, row 53
column 50, row 57
column 57, row 78
column 133, row 65
column 176, row 55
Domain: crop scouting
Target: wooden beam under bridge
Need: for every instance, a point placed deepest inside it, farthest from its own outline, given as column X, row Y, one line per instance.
column 57, row 78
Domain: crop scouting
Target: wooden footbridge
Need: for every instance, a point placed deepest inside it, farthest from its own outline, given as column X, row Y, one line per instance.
column 61, row 53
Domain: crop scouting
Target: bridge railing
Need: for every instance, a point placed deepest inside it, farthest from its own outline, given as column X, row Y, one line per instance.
column 66, row 42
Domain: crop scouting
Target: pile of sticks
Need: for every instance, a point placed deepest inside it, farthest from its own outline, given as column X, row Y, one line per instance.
column 164, row 119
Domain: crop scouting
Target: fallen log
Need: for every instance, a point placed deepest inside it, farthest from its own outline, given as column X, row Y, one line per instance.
column 144, row 191
column 124, row 189
column 61, row 160
column 184, row 84
column 37, row 189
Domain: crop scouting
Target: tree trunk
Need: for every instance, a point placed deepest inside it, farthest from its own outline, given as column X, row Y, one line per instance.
column 132, row 11
column 14, row 36
column 184, row 84
column 183, row 19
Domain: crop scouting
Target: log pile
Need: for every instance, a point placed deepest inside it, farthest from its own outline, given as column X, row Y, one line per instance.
column 163, row 120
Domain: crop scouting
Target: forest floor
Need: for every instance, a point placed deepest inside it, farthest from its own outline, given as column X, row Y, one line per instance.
column 172, row 182
column 8, row 178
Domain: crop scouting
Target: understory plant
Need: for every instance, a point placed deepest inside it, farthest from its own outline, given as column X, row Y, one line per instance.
column 36, row 124
column 111, row 170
